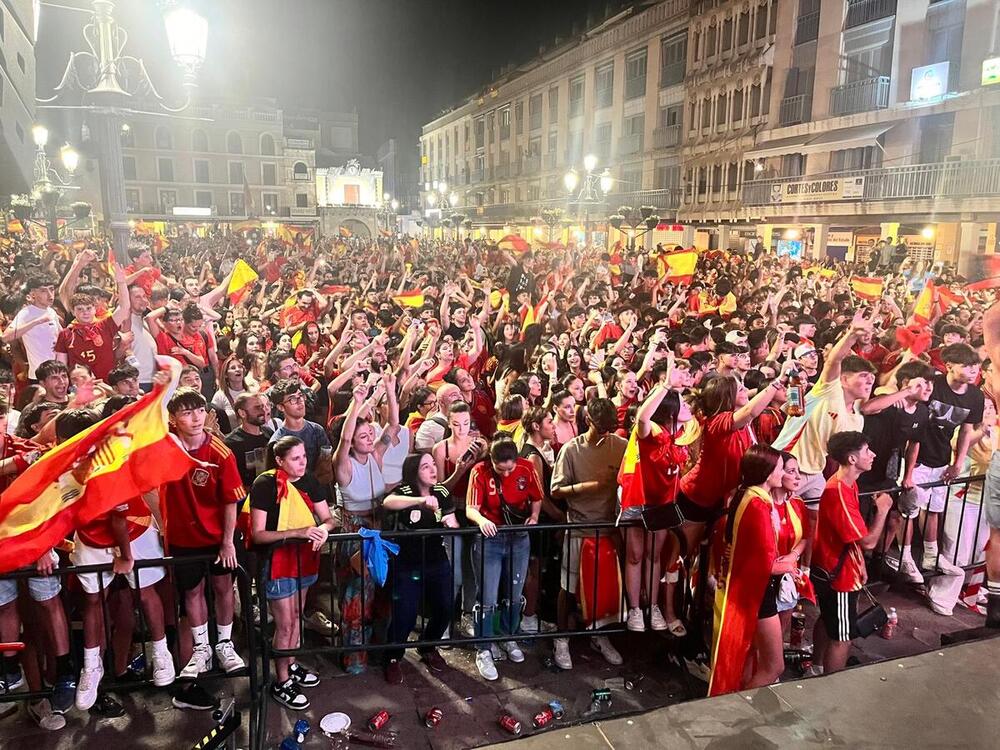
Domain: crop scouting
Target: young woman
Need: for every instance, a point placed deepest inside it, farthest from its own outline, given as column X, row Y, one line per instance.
column 746, row 644
column 565, row 426
column 421, row 571
column 232, row 382
column 285, row 504
column 312, row 350
column 793, row 521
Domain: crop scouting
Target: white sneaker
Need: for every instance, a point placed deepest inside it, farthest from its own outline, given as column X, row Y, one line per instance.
column 949, row 568
column 468, row 625
column 86, row 689
column 200, row 662
column 529, row 624
column 318, row 622
column 515, row 654
column 635, row 621
column 929, row 562
column 656, row 621
column 561, row 648
column 484, row 663
column 609, row 652
column 43, row 715
column 229, row 660
column 164, row 672
column 909, row 571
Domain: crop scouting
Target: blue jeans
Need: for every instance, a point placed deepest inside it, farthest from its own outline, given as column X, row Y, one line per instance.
column 462, row 575
column 500, row 561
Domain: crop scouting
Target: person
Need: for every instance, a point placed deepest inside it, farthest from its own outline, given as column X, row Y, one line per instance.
column 232, row 382
column 421, row 572
column 199, row 518
column 287, row 396
column 249, row 440
column 841, row 539
column 503, row 491
column 991, row 489
column 585, row 477
column 53, row 376
column 793, row 532
column 37, row 324
column 286, row 503
column 89, row 340
column 746, row 642
column 434, row 427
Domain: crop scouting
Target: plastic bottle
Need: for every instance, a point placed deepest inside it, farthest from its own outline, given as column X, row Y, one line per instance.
column 889, row 629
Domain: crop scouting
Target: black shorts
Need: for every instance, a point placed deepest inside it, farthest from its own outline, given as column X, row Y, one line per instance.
column 693, row 512
column 188, row 575
column 769, row 604
column 838, row 610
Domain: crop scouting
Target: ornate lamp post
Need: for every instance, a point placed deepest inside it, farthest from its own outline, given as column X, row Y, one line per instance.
column 632, row 219
column 49, row 186
column 593, row 188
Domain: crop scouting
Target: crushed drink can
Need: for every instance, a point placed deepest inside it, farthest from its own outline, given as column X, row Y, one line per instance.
column 557, row 709
column 797, row 630
column 378, row 721
column 300, row 730
column 433, row 717
column 543, row 717
column 289, row 743
column 601, row 695
column 509, row 724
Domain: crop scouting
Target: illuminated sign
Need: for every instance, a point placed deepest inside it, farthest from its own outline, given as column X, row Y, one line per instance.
column 991, row 70
column 929, row 81
column 811, row 191
column 191, row 211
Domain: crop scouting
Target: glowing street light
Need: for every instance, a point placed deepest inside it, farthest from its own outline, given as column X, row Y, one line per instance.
column 40, row 135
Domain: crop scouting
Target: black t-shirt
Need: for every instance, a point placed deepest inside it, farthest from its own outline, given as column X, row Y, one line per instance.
column 457, row 332
column 889, row 431
column 948, row 411
column 243, row 445
column 264, row 495
column 429, row 549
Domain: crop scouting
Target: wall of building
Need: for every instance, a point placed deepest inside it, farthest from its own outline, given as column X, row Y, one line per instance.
column 17, row 94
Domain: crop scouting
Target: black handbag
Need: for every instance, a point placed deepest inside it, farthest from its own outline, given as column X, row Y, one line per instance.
column 872, row 619
column 660, row 517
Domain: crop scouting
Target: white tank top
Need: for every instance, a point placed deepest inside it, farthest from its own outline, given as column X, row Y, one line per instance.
column 366, row 488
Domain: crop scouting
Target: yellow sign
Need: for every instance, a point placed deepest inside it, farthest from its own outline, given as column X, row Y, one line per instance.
column 991, row 70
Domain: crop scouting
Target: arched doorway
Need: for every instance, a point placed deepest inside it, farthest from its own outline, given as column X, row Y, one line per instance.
column 356, row 228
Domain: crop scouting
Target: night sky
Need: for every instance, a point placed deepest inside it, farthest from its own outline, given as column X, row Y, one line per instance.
column 397, row 62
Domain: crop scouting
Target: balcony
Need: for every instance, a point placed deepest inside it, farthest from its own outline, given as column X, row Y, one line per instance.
column 795, row 109
column 941, row 180
column 630, row 144
column 860, row 12
column 302, row 211
column 667, row 136
column 673, row 73
column 532, row 164
column 302, row 144
column 662, row 199
column 807, row 28
column 860, row 96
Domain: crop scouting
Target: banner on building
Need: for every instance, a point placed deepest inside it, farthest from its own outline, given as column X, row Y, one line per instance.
column 813, row 191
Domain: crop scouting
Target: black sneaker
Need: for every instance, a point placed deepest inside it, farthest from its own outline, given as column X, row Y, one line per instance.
column 195, row 697
column 289, row 696
column 302, row 676
column 106, row 707
column 13, row 680
column 63, row 695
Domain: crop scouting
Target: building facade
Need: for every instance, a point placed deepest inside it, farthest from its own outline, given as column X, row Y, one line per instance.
column 18, row 32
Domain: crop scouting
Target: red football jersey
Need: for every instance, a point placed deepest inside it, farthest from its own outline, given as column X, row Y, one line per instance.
column 90, row 344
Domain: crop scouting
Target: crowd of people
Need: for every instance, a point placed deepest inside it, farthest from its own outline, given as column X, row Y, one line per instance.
column 762, row 435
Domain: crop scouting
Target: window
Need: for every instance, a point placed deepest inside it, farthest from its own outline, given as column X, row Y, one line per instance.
column 673, row 58
column 128, row 137
column 635, row 74
column 302, row 200
column 692, row 115
column 732, row 182
column 697, row 46
column 867, row 52
column 132, row 201
column 168, row 199
column 166, row 169
column 727, row 34
column 553, row 105
column 236, row 173
column 553, row 147
column 574, row 148
column 201, row 171
column 576, row 96
column 720, row 110
column 706, row 113
column 666, row 176
column 669, row 116
column 534, row 192
column 710, row 37
column 702, row 181
column 631, row 178
column 737, row 105
column 237, row 204
column 300, row 171
column 269, row 173
column 199, row 141
column 519, row 117
column 717, row 178
column 164, row 140
column 505, row 195
column 743, row 29
column 479, row 127
column 755, row 100
column 935, row 137
column 869, row 157
column 234, row 144
column 203, row 198
column 535, row 147
column 535, row 112
column 602, row 141
column 267, row 144
column 760, row 28
column 504, row 119
column 604, row 85
column 632, row 132
column 270, row 202
column 128, row 166
column 793, row 165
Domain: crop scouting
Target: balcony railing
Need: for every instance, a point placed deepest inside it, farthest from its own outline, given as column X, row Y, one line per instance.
column 673, row 73
column 795, row 109
column 667, row 136
column 941, row 180
column 860, row 96
column 302, row 211
column 807, row 28
column 860, row 12
column 298, row 143
column 662, row 199
column 630, row 144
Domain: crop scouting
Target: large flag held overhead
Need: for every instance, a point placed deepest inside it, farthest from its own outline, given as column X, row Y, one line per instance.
column 243, row 277
column 117, row 459
column 413, row 298
column 678, row 266
column 923, row 309
column 867, row 288
column 514, row 243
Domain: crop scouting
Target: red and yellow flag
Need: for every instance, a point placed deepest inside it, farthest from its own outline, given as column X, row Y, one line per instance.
column 949, row 298
column 345, row 232
column 514, row 243
column 923, row 309
column 412, row 298
column 14, row 226
column 119, row 458
column 678, row 266
column 243, row 277
column 867, row 288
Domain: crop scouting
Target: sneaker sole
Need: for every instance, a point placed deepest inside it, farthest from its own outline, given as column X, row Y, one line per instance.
column 235, row 669
column 289, row 705
column 164, row 683
column 182, row 704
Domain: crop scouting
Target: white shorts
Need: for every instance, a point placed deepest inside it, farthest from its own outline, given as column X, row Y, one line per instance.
column 924, row 498
column 811, row 489
column 146, row 546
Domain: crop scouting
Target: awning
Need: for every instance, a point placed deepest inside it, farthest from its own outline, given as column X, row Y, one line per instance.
column 859, row 136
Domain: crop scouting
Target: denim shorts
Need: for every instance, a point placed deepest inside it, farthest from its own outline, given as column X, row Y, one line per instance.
column 40, row 588
column 282, row 588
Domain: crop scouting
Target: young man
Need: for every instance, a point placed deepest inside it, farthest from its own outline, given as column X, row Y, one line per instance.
column 36, row 324
column 90, row 341
column 124, row 379
column 250, row 438
column 838, row 555
column 287, row 396
column 991, row 492
column 53, row 376
column 199, row 517
column 120, row 537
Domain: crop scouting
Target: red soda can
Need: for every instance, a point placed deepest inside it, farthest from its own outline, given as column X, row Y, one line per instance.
column 543, row 717
column 509, row 723
column 797, row 630
column 433, row 717
column 378, row 721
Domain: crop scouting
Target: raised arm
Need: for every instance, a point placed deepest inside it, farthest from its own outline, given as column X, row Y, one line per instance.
column 123, row 312
column 341, row 456
column 755, row 406
column 840, row 350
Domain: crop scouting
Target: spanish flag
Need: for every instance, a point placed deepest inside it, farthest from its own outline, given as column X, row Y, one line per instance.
column 160, row 243
column 678, row 266
column 529, row 315
column 412, row 298
column 514, row 243
column 120, row 457
column 866, row 288
column 923, row 309
column 498, row 298
column 629, row 476
column 345, row 232
column 949, row 298
column 14, row 226
column 239, row 284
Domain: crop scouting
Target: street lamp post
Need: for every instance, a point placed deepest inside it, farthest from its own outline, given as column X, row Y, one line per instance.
column 109, row 79
column 49, row 186
column 633, row 219
column 439, row 195
column 593, row 188
column 387, row 210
